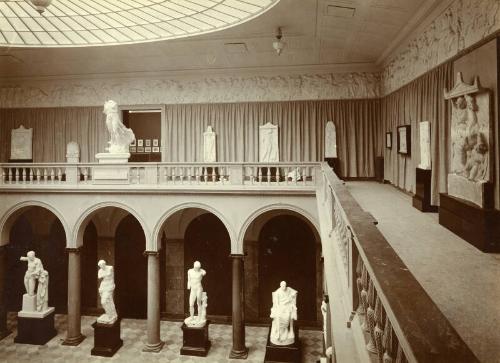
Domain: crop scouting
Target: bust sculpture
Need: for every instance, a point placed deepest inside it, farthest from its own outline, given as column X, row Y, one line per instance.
column 196, row 295
column 106, row 289
column 120, row 136
column 283, row 313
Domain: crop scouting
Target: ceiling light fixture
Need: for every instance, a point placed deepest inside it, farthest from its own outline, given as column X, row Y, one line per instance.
column 40, row 5
column 278, row 45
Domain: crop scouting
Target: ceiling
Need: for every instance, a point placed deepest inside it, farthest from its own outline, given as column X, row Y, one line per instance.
column 321, row 34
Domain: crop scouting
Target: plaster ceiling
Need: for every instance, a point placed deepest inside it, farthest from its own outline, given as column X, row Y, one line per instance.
column 319, row 34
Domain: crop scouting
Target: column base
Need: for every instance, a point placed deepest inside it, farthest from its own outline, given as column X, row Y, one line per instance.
column 153, row 348
column 74, row 341
column 239, row 354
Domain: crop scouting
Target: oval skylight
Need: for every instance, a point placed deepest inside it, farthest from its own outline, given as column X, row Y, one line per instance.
column 67, row 23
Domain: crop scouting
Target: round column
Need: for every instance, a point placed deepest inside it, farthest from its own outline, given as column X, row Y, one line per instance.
column 154, row 343
column 74, row 335
column 3, row 309
column 238, row 350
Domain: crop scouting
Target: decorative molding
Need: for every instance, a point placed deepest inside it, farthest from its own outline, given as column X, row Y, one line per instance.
column 461, row 25
column 206, row 89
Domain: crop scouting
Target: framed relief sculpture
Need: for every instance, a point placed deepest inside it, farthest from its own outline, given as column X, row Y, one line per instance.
column 388, row 140
column 404, row 140
column 21, row 144
column 268, row 143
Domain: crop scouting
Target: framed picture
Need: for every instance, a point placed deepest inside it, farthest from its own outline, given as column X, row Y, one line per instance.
column 140, row 142
column 133, row 143
column 388, row 140
column 156, row 149
column 404, row 140
column 155, row 142
column 147, row 149
column 148, row 142
column 140, row 149
column 132, row 149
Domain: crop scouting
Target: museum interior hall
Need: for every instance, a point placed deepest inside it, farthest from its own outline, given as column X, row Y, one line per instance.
column 309, row 181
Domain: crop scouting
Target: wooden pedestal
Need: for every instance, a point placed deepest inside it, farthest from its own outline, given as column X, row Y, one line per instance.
column 107, row 339
column 195, row 340
column 422, row 197
column 283, row 353
column 37, row 331
column 334, row 164
column 379, row 169
column 478, row 226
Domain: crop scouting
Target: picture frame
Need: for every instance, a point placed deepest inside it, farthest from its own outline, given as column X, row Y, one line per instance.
column 140, row 149
column 133, row 143
column 132, row 149
column 140, row 142
column 388, row 140
column 147, row 149
column 156, row 149
column 148, row 142
column 155, row 142
column 404, row 140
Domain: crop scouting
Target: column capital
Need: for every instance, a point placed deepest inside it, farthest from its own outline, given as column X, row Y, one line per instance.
column 151, row 253
column 238, row 255
column 76, row 250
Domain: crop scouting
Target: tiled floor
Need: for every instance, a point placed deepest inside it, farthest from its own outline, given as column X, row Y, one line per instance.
column 462, row 281
column 133, row 334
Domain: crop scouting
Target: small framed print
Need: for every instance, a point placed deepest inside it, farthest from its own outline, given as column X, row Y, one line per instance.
column 148, row 142
column 156, row 149
column 140, row 142
column 140, row 149
column 133, row 143
column 133, row 149
column 404, row 140
column 147, row 149
column 155, row 142
column 388, row 140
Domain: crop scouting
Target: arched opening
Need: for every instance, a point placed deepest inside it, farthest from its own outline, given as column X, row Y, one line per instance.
column 37, row 229
column 195, row 234
column 282, row 245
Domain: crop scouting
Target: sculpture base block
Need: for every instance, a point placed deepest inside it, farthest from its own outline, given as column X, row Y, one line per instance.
column 422, row 197
column 334, row 163
column 283, row 353
column 478, row 226
column 107, row 339
column 112, row 158
column 111, row 174
column 195, row 340
column 37, row 331
column 479, row 193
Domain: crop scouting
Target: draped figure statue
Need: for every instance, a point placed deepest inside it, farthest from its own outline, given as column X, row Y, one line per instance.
column 120, row 136
column 283, row 313
column 106, row 289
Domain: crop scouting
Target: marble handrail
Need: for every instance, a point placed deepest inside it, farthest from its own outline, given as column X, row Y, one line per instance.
column 400, row 321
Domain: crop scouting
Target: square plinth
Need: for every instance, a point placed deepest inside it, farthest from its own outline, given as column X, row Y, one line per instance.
column 36, row 330
column 422, row 197
column 283, row 353
column 195, row 340
column 107, row 339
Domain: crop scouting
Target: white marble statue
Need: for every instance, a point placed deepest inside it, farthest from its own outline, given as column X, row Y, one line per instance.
column 35, row 267
column 283, row 313
column 324, row 311
column 330, row 140
column 295, row 175
column 425, row 145
column 268, row 143
column 196, row 295
column 106, row 289
column 121, row 137
column 42, row 293
column 209, row 146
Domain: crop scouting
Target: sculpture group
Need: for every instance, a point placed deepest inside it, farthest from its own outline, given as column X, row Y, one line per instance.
column 36, row 282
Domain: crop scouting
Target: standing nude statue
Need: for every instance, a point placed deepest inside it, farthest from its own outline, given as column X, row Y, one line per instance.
column 32, row 274
column 106, row 289
column 195, row 275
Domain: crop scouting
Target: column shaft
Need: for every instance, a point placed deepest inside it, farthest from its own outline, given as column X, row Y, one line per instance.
column 238, row 350
column 74, row 335
column 154, row 343
column 3, row 301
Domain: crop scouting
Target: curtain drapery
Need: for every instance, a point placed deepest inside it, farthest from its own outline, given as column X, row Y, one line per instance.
column 420, row 100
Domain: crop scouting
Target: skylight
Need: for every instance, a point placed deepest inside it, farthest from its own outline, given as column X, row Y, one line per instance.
column 105, row 22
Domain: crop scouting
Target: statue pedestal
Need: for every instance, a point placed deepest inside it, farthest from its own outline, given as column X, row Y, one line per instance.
column 107, row 339
column 35, row 327
column 284, row 353
column 422, row 197
column 111, row 171
column 334, row 163
column 195, row 340
column 112, row 158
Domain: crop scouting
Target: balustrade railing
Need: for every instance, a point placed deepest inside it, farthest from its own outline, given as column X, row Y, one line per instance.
column 399, row 320
column 164, row 174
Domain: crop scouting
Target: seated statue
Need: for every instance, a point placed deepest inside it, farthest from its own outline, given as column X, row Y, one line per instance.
column 106, row 289
column 283, row 313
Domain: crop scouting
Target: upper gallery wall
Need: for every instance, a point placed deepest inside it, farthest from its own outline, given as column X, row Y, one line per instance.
column 462, row 24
